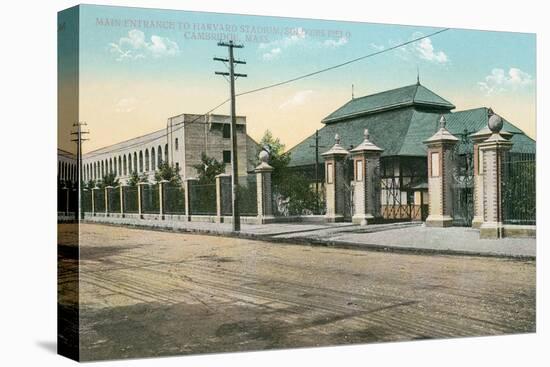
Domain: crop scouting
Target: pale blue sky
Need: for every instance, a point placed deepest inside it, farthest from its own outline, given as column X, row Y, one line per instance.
column 469, row 68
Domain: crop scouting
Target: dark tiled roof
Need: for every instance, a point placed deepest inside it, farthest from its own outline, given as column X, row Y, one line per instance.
column 415, row 94
column 401, row 132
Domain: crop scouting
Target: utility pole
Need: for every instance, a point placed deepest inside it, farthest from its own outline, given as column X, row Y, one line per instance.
column 234, row 161
column 79, row 139
column 317, row 146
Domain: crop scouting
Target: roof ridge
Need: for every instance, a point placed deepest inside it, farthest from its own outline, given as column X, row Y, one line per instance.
column 383, row 91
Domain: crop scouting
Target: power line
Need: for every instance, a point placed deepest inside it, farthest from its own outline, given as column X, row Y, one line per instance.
column 277, row 85
column 342, row 64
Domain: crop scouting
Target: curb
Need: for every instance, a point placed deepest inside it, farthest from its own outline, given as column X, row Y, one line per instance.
column 320, row 242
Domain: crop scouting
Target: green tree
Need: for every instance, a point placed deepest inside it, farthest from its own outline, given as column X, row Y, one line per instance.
column 89, row 185
column 208, row 169
column 135, row 178
column 169, row 173
column 108, row 180
column 287, row 183
column 278, row 159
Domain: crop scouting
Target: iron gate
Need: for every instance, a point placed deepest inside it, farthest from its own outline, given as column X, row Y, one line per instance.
column 462, row 181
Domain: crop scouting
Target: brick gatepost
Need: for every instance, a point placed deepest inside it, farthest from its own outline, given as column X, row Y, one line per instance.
column 440, row 147
column 366, row 190
column 477, row 139
column 493, row 151
column 263, row 193
column 335, row 181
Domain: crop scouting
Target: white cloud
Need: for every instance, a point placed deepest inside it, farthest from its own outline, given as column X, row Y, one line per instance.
column 500, row 81
column 335, row 43
column 126, row 105
column 422, row 49
column 297, row 37
column 299, row 98
column 271, row 54
column 425, row 50
column 135, row 46
column 273, row 49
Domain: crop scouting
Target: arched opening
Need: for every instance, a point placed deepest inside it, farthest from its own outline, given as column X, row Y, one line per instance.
column 153, row 159
column 159, row 155
column 125, row 166
column 147, row 167
column 135, row 162
column 140, row 161
column 166, row 153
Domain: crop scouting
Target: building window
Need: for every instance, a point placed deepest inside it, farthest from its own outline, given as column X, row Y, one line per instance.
column 159, row 155
column 177, row 167
column 226, row 156
column 359, row 170
column 435, row 164
column 226, row 130
column 330, row 173
column 176, row 143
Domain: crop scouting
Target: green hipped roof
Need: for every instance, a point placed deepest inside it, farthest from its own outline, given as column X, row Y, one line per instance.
column 411, row 95
column 401, row 132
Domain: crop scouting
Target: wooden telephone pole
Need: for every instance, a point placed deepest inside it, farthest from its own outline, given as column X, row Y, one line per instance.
column 78, row 140
column 234, row 160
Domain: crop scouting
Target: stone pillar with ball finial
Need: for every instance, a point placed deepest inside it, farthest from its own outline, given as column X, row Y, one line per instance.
column 335, row 181
column 263, row 184
column 493, row 151
column 477, row 138
column 440, row 147
column 366, row 190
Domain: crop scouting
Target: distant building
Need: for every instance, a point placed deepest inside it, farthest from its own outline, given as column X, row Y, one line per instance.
column 180, row 144
column 399, row 120
column 67, row 169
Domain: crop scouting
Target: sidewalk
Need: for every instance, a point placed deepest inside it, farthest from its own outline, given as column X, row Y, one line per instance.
column 408, row 236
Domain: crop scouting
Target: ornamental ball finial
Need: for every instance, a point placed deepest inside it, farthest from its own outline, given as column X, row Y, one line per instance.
column 264, row 156
column 442, row 122
column 495, row 123
column 337, row 138
column 366, row 134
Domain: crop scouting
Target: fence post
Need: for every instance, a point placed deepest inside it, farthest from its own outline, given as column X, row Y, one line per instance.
column 366, row 163
column 107, row 203
column 477, row 139
column 121, row 197
column 162, row 185
column 440, row 147
column 335, row 181
column 221, row 195
column 140, row 197
column 493, row 151
column 189, row 182
column 93, row 200
column 263, row 189
column 67, row 198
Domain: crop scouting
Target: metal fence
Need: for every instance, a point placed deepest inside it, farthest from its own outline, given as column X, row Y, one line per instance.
column 86, row 200
column 203, row 199
column 114, row 200
column 150, row 199
column 99, row 200
column 174, row 199
column 248, row 194
column 130, row 199
column 519, row 189
column 304, row 198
